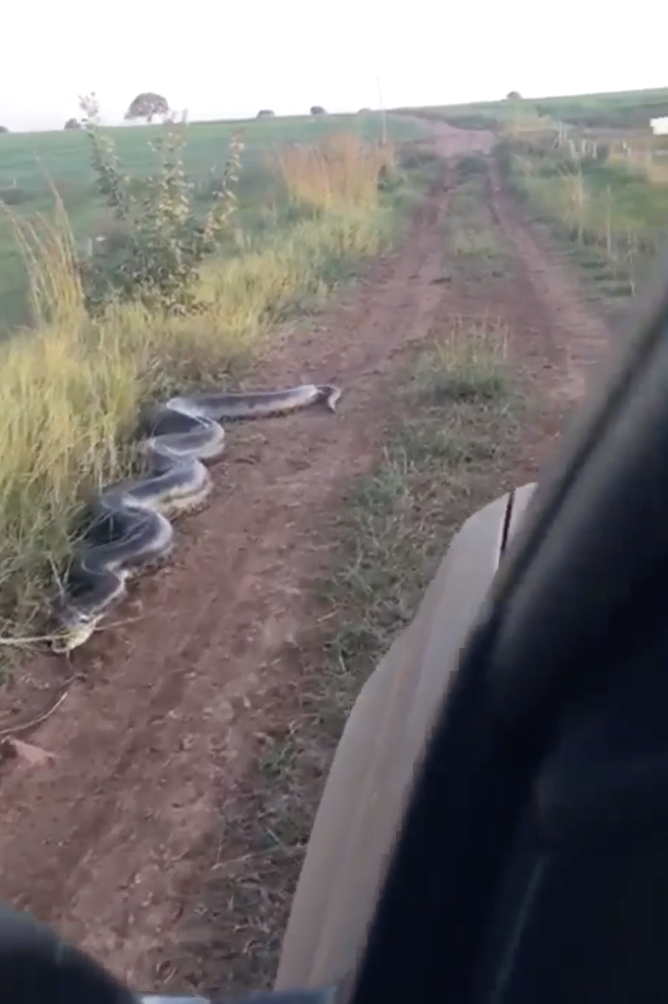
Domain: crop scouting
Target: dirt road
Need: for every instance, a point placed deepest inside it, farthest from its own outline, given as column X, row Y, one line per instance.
column 111, row 839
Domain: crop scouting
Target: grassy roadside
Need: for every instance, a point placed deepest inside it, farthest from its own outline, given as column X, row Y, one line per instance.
column 608, row 211
column 71, row 389
column 443, row 457
column 449, row 449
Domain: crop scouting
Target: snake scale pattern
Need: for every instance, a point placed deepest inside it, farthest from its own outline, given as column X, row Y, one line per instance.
column 131, row 525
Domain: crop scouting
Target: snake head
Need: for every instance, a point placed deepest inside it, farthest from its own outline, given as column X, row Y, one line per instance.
column 329, row 395
column 74, row 628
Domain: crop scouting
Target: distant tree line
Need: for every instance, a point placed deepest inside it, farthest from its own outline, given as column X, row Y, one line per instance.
column 150, row 104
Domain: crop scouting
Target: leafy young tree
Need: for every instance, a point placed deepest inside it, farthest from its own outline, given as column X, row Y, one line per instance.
column 147, row 105
column 3, row 128
column 72, row 124
column 164, row 239
column 317, row 110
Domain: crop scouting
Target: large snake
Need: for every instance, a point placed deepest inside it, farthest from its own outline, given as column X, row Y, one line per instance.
column 130, row 527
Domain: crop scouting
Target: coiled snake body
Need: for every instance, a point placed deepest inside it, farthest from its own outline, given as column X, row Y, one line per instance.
column 131, row 526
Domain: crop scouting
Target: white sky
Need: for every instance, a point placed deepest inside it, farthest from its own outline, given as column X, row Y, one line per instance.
column 230, row 59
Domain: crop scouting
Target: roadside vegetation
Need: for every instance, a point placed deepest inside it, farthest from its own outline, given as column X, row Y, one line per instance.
column 180, row 291
column 607, row 200
column 450, row 447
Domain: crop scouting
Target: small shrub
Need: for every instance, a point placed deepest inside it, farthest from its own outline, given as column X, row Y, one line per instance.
column 317, row 110
column 266, row 113
column 3, row 129
column 72, row 124
column 165, row 242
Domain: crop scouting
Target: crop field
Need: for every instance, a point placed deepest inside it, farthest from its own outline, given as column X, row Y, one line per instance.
column 459, row 283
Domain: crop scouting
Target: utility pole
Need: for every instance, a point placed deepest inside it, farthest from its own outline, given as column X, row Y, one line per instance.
column 383, row 116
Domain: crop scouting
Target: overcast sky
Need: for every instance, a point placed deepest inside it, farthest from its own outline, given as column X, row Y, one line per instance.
column 229, row 59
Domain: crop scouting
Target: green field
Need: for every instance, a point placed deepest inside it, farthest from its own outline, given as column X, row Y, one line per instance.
column 623, row 110
column 64, row 156
column 30, row 163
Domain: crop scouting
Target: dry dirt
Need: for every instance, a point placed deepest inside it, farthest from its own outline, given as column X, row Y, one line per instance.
column 110, row 839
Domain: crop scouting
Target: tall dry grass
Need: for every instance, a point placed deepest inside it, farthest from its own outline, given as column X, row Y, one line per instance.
column 341, row 171
column 71, row 387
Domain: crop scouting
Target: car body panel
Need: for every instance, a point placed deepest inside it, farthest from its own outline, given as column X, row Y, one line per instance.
column 521, row 499
column 371, row 777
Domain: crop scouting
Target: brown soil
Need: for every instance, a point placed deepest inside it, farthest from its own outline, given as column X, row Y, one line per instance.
column 112, row 838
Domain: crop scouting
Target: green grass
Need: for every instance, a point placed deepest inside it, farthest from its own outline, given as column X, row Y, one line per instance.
column 32, row 163
column 472, row 237
column 475, row 248
column 443, row 457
